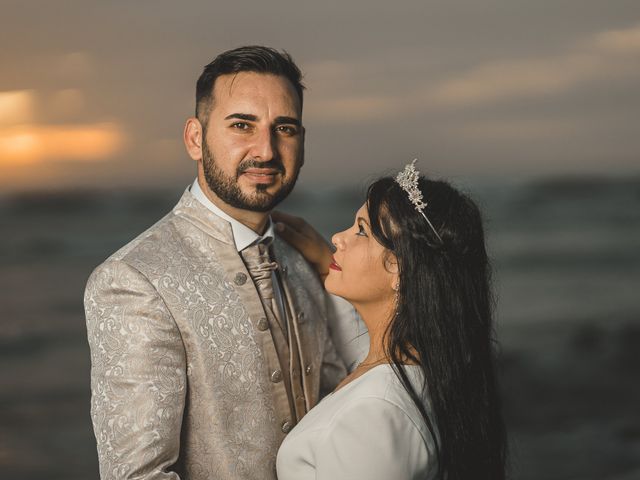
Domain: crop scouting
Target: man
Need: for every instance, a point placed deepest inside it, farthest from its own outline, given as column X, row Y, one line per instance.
column 208, row 334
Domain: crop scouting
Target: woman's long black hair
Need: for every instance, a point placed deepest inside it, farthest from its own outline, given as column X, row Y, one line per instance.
column 443, row 322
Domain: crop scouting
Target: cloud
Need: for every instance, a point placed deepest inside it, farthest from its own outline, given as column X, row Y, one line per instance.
column 507, row 80
column 73, row 65
column 31, row 143
column 619, row 41
column 16, row 107
column 515, row 129
column 24, row 138
column 329, row 72
column 19, row 107
column 603, row 55
column 338, row 95
column 68, row 104
column 351, row 108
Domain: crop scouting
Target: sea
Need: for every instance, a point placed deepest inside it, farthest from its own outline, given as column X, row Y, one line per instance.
column 566, row 266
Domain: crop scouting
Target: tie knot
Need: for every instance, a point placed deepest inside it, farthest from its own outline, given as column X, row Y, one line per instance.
column 256, row 258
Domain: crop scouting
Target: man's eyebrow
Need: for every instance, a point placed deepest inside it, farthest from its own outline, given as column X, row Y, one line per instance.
column 242, row 116
column 289, row 120
column 282, row 120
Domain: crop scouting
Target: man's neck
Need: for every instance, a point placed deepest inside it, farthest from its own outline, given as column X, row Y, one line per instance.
column 256, row 221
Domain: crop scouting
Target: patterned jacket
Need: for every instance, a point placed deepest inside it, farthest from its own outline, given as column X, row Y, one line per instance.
column 182, row 367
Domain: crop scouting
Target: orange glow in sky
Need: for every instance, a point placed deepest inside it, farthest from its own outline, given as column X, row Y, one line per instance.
column 29, row 143
column 16, row 106
column 25, row 141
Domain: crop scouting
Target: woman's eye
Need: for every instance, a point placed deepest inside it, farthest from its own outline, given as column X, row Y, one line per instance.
column 361, row 231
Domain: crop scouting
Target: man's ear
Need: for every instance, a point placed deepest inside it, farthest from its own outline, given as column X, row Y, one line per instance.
column 304, row 134
column 193, row 138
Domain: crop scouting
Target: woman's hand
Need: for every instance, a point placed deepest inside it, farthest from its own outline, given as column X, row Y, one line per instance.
column 304, row 238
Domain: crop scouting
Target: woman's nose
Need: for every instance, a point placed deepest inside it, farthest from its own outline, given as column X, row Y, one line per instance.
column 337, row 240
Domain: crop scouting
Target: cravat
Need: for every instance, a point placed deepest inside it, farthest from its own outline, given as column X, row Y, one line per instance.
column 256, row 258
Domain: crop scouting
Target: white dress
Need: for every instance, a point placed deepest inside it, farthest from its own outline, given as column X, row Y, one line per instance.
column 369, row 429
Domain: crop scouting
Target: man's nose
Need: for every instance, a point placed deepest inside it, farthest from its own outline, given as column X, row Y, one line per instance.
column 263, row 148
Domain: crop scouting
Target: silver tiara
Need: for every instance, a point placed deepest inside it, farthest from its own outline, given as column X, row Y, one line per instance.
column 408, row 181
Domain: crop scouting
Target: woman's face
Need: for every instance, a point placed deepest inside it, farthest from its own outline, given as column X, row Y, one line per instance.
column 363, row 272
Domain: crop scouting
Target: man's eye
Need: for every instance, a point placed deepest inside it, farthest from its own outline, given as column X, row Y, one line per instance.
column 240, row 125
column 287, row 130
column 361, row 231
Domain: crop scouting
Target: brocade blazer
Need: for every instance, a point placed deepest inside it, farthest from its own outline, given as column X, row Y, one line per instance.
column 182, row 364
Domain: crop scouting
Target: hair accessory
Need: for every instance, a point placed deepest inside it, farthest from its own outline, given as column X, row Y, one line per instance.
column 408, row 181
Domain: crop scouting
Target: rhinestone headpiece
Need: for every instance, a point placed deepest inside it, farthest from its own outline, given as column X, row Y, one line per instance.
column 408, row 181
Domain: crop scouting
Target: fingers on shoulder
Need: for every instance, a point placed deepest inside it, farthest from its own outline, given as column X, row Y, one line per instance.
column 288, row 219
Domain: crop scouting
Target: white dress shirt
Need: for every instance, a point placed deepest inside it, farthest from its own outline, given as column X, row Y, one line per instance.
column 243, row 236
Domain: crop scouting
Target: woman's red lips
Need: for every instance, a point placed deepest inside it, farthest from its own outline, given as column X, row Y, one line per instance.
column 335, row 266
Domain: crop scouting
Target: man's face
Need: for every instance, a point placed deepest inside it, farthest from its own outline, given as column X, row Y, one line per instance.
column 253, row 144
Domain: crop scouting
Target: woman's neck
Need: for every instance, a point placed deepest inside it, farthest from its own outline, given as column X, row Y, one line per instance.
column 377, row 319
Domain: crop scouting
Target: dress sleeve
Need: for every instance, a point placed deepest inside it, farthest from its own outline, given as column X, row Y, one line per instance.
column 373, row 439
column 138, row 375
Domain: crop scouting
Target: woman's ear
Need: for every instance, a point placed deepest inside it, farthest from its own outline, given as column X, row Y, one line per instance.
column 391, row 265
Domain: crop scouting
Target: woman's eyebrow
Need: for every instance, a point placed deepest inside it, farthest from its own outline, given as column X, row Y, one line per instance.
column 358, row 219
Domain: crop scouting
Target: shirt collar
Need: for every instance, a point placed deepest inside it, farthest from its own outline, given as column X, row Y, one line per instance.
column 243, row 236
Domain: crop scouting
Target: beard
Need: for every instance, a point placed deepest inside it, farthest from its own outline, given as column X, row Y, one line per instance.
column 228, row 190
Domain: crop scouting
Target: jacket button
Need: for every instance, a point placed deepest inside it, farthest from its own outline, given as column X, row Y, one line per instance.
column 300, row 317
column 240, row 278
column 286, row 427
column 276, row 376
column 263, row 324
column 308, row 370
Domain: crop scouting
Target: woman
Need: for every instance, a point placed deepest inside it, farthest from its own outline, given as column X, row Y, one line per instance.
column 424, row 402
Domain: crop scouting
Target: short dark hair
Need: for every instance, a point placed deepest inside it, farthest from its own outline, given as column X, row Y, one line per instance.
column 251, row 58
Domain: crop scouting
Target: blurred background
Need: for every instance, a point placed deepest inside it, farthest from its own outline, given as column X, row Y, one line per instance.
column 532, row 107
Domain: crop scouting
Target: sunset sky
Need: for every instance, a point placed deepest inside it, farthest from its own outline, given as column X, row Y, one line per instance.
column 95, row 94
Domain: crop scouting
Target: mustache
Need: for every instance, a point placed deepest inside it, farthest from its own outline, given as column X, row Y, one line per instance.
column 251, row 163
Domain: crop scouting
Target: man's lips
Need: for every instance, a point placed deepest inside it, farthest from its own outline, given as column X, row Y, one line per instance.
column 335, row 266
column 261, row 175
column 261, row 171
